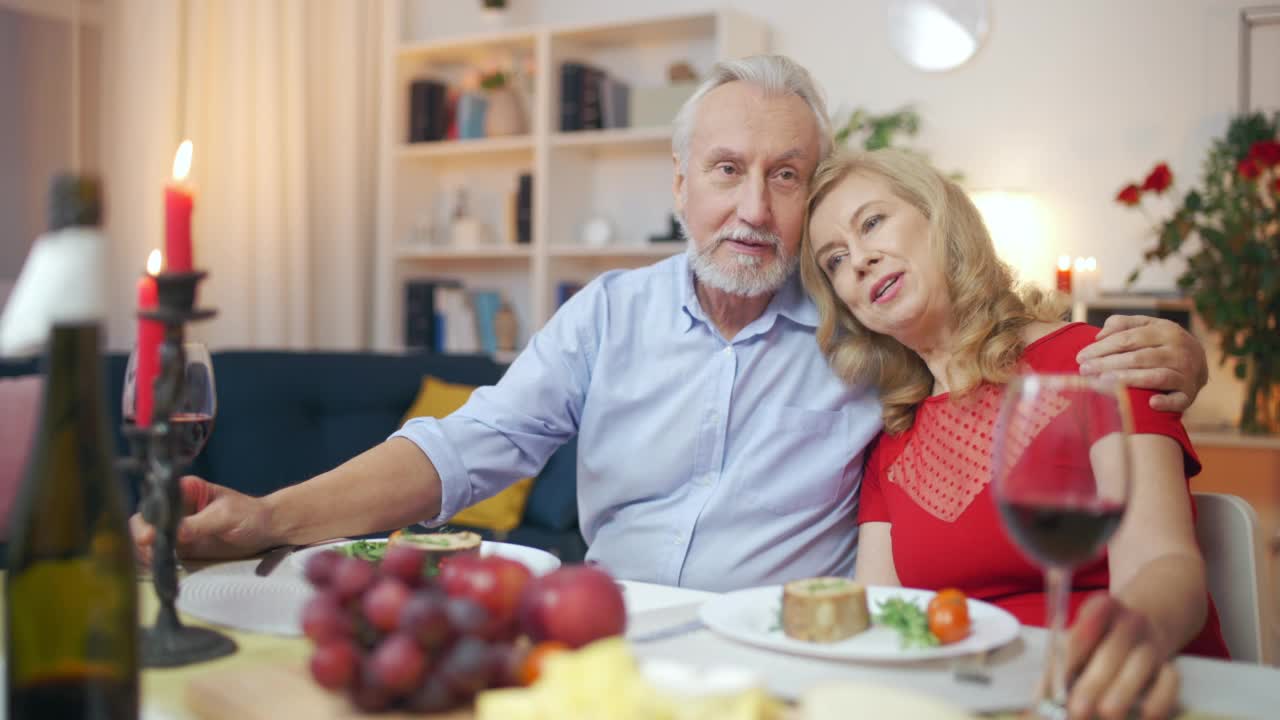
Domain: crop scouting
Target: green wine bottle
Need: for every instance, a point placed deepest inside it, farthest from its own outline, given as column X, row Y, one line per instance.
column 71, row 593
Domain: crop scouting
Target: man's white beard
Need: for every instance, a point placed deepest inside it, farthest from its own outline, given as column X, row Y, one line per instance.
column 746, row 275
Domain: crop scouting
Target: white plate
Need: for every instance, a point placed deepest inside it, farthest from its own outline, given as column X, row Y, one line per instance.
column 752, row 616
column 540, row 562
column 229, row 594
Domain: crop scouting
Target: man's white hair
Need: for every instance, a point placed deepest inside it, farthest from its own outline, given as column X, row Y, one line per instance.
column 776, row 75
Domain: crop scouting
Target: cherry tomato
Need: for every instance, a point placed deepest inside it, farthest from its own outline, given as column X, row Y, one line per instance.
column 531, row 667
column 949, row 616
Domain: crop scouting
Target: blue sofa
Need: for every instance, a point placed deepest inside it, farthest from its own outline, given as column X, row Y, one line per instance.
column 286, row 416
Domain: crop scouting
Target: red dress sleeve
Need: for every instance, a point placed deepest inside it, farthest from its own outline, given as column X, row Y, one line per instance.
column 1154, row 422
column 1056, row 352
column 871, row 503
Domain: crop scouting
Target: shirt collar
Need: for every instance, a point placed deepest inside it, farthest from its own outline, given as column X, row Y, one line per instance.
column 790, row 301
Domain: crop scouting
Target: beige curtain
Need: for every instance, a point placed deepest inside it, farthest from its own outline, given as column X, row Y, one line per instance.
column 279, row 98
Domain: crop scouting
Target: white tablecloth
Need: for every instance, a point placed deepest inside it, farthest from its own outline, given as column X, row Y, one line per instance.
column 1231, row 689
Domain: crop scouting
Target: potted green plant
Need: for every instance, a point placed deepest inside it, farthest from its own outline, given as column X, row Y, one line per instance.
column 1227, row 229
column 873, row 132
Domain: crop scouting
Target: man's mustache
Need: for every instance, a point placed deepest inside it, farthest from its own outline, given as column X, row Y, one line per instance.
column 746, row 234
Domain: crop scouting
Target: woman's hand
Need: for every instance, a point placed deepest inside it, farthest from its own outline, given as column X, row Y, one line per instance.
column 1119, row 664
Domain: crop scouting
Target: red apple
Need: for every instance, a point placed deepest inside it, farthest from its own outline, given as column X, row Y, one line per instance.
column 494, row 583
column 575, row 605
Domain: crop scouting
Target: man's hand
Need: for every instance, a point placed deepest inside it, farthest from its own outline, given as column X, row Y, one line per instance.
column 218, row 523
column 1119, row 667
column 1151, row 353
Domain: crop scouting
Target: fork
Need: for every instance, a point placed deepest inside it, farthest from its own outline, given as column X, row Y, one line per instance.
column 972, row 669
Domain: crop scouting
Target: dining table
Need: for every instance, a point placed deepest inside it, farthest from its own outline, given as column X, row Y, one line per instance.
column 664, row 624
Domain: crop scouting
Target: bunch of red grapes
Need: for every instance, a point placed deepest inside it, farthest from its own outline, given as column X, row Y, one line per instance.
column 391, row 636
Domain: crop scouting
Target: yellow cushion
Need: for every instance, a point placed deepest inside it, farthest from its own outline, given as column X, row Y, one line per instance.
column 503, row 511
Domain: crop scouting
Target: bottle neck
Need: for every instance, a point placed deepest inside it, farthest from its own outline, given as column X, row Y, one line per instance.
column 74, row 371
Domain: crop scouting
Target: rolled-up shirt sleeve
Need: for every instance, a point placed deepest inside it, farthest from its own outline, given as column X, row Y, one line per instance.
column 508, row 431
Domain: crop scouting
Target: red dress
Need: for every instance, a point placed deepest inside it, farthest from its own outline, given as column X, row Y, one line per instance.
column 930, row 484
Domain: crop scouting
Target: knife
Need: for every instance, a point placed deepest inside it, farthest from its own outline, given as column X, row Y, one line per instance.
column 273, row 558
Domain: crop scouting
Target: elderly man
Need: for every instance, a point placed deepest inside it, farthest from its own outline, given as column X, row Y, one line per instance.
column 716, row 448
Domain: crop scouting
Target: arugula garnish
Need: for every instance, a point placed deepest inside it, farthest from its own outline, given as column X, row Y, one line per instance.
column 370, row 550
column 908, row 619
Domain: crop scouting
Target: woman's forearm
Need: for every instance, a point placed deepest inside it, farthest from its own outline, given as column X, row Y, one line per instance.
column 1170, row 591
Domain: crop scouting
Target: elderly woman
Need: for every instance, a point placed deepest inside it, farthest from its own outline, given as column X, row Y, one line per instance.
column 913, row 299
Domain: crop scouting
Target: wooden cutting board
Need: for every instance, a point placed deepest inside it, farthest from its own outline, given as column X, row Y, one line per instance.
column 279, row 692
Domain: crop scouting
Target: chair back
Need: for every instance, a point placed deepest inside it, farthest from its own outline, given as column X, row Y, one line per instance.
column 1227, row 530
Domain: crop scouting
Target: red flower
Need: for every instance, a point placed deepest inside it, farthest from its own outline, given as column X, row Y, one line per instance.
column 1159, row 180
column 1130, row 195
column 1265, row 153
column 1248, row 169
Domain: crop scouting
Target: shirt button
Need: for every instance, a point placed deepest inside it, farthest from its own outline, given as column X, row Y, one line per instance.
column 728, row 349
column 676, row 539
column 703, row 480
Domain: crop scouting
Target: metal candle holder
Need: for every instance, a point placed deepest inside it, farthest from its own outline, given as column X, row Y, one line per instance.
column 155, row 455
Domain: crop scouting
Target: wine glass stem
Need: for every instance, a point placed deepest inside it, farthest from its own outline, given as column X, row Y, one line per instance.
column 1058, row 589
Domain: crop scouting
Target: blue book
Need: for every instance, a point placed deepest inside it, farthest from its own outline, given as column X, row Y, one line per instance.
column 472, row 109
column 486, row 304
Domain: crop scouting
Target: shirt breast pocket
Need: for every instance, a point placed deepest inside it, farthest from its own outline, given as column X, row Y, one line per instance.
column 812, row 451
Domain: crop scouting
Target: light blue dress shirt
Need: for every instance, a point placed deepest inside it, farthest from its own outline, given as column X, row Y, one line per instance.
column 702, row 462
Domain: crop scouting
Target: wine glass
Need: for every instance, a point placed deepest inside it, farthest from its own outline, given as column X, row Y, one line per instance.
column 1060, row 477
column 197, row 407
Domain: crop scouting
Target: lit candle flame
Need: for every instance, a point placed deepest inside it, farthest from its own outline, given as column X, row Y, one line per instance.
column 1080, row 265
column 1064, row 262
column 1091, row 264
column 154, row 261
column 182, row 161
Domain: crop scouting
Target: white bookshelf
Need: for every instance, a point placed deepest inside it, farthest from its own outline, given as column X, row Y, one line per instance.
column 622, row 175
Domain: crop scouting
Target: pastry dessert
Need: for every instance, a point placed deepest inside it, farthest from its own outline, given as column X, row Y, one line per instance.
column 439, row 544
column 824, row 609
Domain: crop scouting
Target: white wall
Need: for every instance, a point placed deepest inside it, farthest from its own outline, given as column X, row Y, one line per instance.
column 36, row 123
column 1066, row 100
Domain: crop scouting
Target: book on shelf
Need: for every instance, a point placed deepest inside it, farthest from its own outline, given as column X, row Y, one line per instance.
column 566, row 290
column 472, row 108
column 591, row 98
column 615, row 98
column 592, row 117
column 457, row 319
column 524, row 209
column 420, row 314
column 428, row 110
column 442, row 315
column 571, row 95
column 486, row 304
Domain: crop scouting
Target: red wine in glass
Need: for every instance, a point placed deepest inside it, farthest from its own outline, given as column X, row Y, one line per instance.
column 192, row 419
column 191, row 431
column 1058, row 534
column 1060, row 478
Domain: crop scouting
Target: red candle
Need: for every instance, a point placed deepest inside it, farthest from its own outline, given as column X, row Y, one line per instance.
column 178, row 201
column 150, row 334
column 1064, row 274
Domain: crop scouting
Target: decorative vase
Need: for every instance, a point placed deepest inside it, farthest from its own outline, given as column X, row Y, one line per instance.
column 1261, row 411
column 505, row 114
column 506, row 328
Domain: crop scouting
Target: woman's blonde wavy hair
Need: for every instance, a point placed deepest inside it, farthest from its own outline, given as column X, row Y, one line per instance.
column 990, row 311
